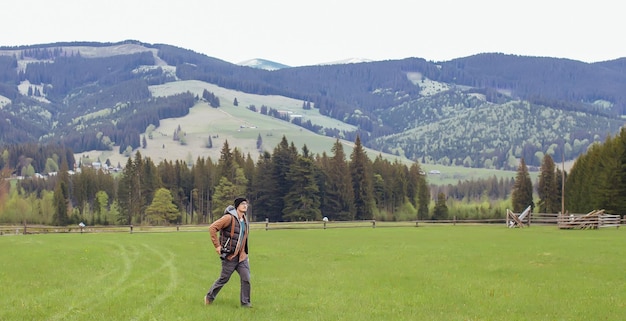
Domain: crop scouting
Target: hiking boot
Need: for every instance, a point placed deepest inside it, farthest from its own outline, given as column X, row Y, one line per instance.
column 207, row 301
column 246, row 305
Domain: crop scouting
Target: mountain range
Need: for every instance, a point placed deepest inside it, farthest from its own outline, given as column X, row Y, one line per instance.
column 482, row 111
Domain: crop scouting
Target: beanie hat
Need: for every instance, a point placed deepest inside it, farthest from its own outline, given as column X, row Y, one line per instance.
column 238, row 201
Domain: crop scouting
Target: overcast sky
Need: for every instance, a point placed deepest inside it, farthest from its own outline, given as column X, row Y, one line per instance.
column 296, row 33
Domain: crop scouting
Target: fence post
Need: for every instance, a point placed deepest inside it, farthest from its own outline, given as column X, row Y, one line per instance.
column 507, row 218
column 267, row 223
column 324, row 224
column 454, row 220
column 373, row 223
column 131, row 229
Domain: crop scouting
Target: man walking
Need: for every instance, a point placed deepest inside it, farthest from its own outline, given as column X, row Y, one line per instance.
column 232, row 246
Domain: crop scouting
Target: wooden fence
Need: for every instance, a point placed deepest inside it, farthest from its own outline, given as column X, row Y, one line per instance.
column 572, row 221
column 592, row 220
column 44, row 229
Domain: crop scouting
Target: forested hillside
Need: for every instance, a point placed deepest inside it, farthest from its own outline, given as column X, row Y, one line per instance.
column 457, row 128
column 484, row 111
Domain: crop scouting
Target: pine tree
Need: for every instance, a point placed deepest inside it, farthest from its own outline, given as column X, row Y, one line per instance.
column 574, row 195
column 522, row 195
column 150, row 183
column 264, row 189
column 62, row 192
column 162, row 210
column 226, row 164
column 339, row 195
column 241, row 182
column 547, row 188
column 203, row 181
column 138, row 199
column 238, row 158
column 418, row 191
column 621, row 173
column 380, row 190
column 412, row 184
column 259, row 142
column 283, row 157
column 441, row 209
column 399, row 187
column 302, row 202
column 423, row 195
column 361, row 182
column 61, row 213
column 608, row 167
column 225, row 193
column 125, row 193
column 100, row 206
column 5, row 172
column 559, row 187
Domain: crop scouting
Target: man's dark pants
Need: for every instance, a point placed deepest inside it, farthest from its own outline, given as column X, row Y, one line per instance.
column 228, row 268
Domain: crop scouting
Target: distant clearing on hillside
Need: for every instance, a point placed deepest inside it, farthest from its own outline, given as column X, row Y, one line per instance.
column 241, row 127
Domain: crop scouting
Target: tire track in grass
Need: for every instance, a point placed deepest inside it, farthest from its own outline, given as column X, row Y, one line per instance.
column 128, row 258
column 168, row 262
column 96, row 280
column 58, row 290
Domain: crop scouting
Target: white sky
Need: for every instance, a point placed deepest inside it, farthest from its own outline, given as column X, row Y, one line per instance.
column 295, row 32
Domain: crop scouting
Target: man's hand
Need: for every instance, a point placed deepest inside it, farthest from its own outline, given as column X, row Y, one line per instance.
column 218, row 249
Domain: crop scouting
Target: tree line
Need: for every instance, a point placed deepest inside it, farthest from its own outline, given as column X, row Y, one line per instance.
column 294, row 185
column 597, row 180
column 285, row 185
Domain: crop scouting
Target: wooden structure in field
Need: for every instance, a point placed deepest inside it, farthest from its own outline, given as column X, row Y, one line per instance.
column 515, row 220
column 592, row 220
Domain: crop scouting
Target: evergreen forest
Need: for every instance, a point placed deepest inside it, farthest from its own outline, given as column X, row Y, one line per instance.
column 291, row 184
column 286, row 185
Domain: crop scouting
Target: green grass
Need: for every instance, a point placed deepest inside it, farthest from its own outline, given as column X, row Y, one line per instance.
column 426, row 273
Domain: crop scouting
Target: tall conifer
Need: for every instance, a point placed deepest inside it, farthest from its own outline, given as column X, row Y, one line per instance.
column 441, row 209
column 339, row 196
column 263, row 195
column 226, row 163
column 283, row 157
column 547, row 188
column 302, row 202
column 621, row 173
column 522, row 195
column 608, row 168
column 361, row 182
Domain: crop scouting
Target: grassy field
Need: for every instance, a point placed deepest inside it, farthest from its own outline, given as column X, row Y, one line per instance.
column 426, row 273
